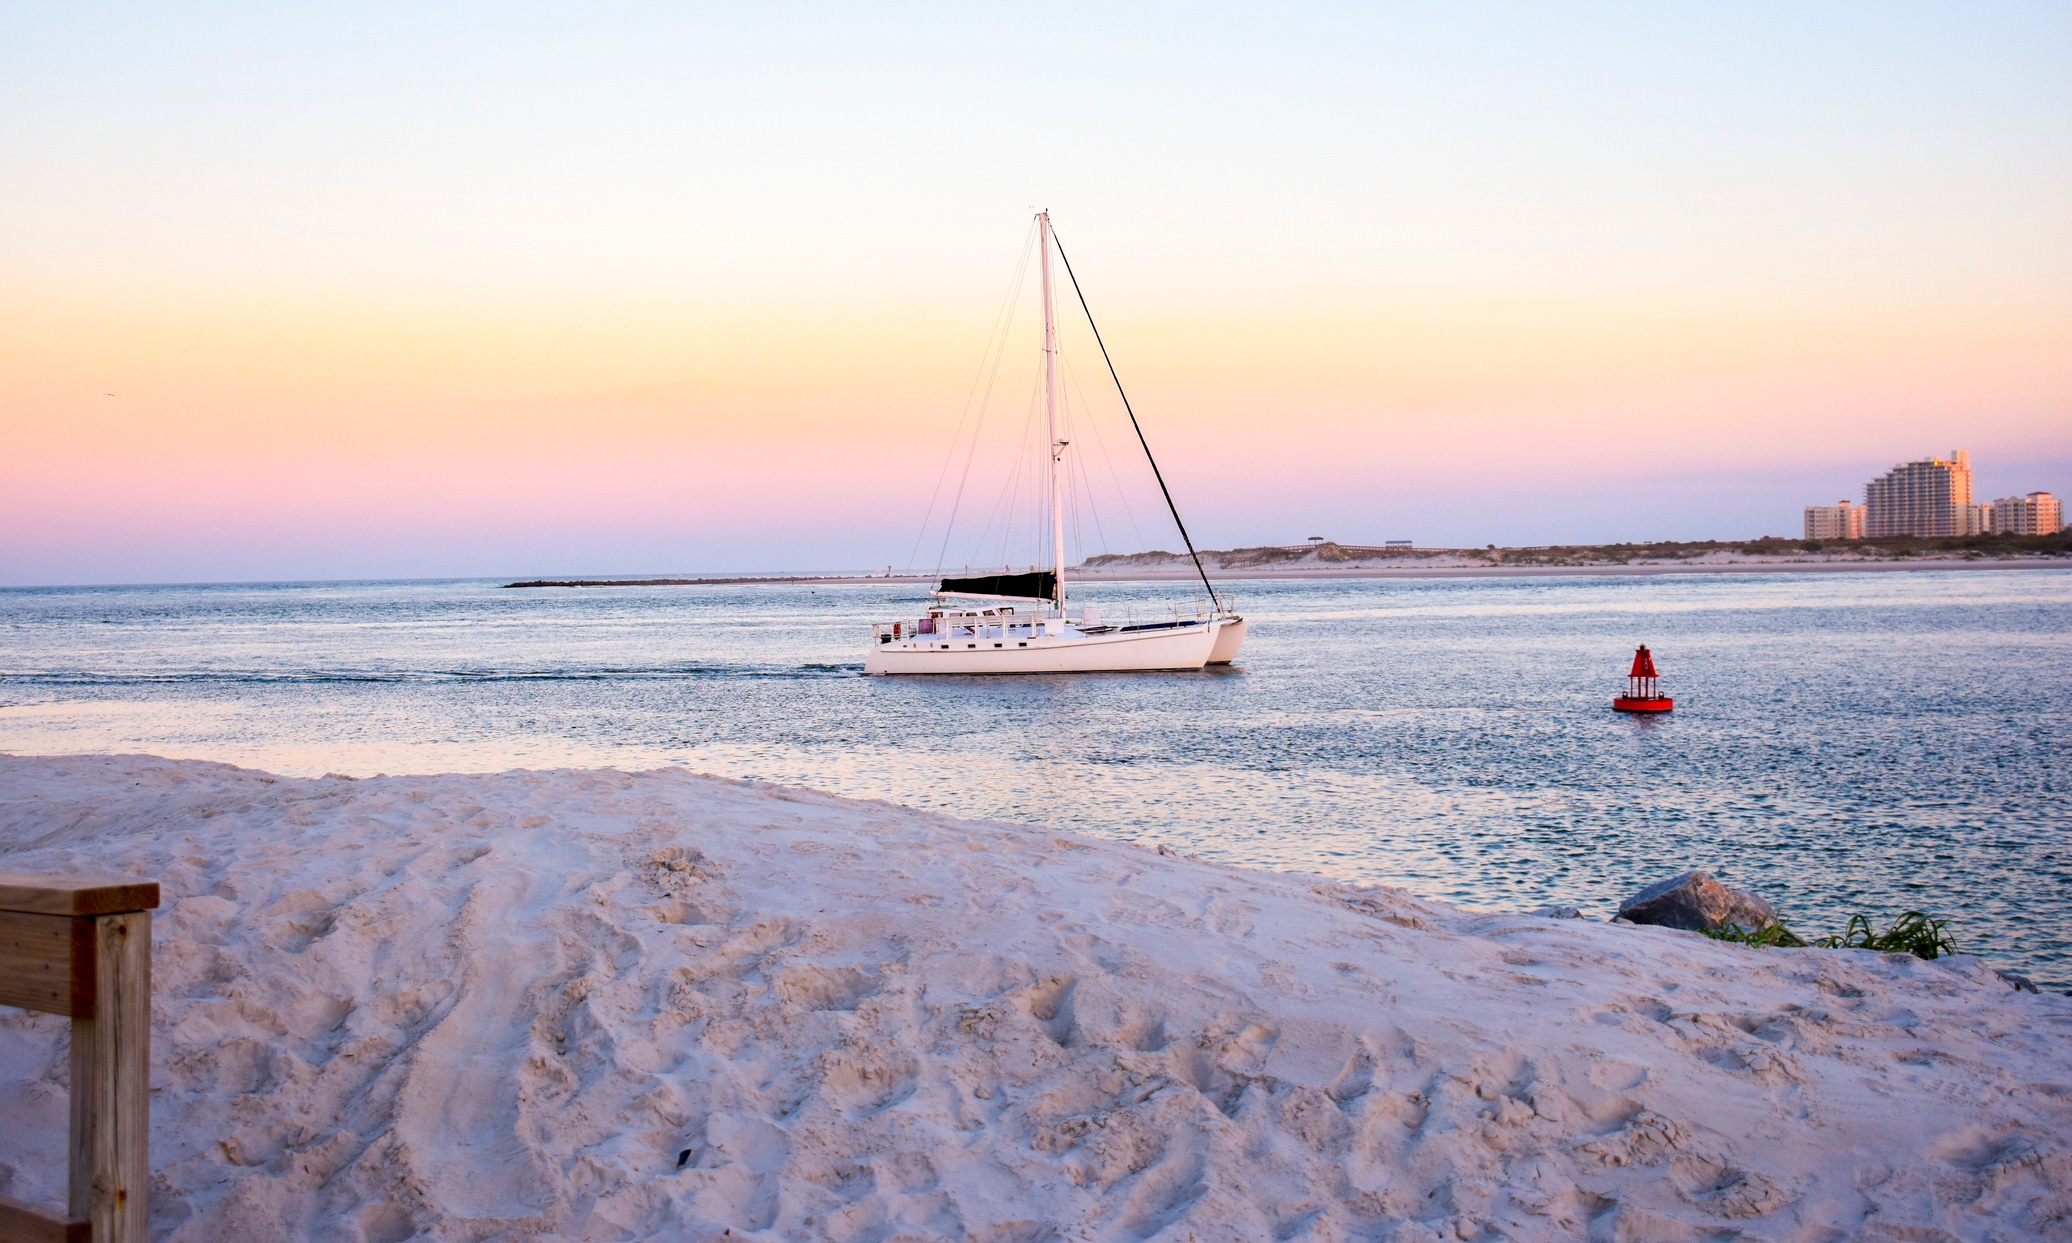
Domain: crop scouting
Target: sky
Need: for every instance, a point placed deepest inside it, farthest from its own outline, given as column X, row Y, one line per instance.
column 316, row 292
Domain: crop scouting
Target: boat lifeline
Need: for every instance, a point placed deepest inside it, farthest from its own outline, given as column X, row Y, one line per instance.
column 1021, row 623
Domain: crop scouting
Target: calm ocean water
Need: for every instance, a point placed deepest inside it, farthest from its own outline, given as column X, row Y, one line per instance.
column 1842, row 742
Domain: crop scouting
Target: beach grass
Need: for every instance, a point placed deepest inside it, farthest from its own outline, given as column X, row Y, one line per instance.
column 1914, row 932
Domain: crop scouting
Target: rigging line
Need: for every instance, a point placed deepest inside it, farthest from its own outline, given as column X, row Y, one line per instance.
column 1032, row 474
column 1068, row 425
column 1079, row 484
column 1072, row 508
column 970, row 456
column 1047, row 509
column 995, row 341
column 1122, row 494
column 1070, row 500
column 1015, row 467
column 1156, row 473
column 1086, row 486
column 1026, row 473
column 981, row 547
column 1029, row 475
column 985, row 405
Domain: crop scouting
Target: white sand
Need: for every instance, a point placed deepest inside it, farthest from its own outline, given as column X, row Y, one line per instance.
column 471, row 1007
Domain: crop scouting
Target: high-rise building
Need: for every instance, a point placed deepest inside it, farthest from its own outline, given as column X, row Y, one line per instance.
column 2038, row 513
column 1920, row 498
column 1840, row 520
column 1978, row 519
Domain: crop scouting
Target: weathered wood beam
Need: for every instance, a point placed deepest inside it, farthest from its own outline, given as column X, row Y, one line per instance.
column 111, row 1085
column 25, row 1223
column 81, row 946
column 76, row 895
column 47, row 963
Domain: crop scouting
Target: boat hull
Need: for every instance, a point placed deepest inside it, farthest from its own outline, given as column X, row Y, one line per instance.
column 1124, row 651
column 1230, row 636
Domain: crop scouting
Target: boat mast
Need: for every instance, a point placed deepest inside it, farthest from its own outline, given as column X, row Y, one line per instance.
column 1050, row 410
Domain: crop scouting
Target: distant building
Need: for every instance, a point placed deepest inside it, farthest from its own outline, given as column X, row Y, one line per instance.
column 1932, row 497
column 1927, row 497
column 2038, row 513
column 1840, row 520
column 1398, row 543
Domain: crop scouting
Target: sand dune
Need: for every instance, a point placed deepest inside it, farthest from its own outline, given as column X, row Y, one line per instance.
column 604, row 1005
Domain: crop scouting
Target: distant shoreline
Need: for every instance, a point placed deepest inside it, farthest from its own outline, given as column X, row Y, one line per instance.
column 783, row 580
column 1153, row 574
column 1570, row 571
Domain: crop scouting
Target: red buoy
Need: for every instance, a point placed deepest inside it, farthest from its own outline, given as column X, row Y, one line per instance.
column 1642, row 693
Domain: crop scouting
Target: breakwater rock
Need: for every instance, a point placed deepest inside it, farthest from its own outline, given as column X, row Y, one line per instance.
column 1695, row 902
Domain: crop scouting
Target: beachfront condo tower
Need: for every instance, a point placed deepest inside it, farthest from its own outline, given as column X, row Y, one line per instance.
column 1928, row 497
column 1840, row 520
column 2038, row 513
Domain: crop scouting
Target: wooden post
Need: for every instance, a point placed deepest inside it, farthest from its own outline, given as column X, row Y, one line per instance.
column 82, row 947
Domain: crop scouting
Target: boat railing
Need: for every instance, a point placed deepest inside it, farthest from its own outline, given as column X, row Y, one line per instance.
column 1001, row 627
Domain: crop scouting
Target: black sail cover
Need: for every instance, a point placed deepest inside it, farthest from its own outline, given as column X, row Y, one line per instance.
column 1035, row 585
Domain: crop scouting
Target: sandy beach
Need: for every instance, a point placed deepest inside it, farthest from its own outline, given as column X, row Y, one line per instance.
column 609, row 1005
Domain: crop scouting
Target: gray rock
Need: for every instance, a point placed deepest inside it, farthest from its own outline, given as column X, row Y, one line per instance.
column 2019, row 983
column 1558, row 912
column 1695, row 902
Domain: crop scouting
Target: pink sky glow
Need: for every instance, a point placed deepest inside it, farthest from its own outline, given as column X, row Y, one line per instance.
column 557, row 303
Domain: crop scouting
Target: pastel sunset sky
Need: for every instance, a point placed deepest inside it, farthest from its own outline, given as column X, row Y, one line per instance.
column 406, row 290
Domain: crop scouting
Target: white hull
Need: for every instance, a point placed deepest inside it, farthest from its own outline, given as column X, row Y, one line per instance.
column 1181, row 647
column 1230, row 636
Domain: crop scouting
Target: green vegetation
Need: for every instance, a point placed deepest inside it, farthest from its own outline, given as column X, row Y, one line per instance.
column 1765, row 937
column 1912, row 933
column 2056, row 545
column 1884, row 548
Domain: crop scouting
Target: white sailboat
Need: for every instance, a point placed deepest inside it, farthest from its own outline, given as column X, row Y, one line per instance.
column 1023, row 623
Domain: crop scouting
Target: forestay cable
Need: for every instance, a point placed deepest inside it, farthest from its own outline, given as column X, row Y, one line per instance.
column 1155, row 472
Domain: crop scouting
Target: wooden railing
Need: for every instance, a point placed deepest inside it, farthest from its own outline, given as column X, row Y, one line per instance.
column 82, row 947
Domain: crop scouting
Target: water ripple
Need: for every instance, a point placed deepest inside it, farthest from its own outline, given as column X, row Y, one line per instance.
column 1841, row 743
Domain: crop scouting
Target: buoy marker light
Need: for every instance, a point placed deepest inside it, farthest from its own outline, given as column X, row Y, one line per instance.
column 1643, row 692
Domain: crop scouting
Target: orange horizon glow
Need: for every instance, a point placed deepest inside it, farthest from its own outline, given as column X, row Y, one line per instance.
column 688, row 377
